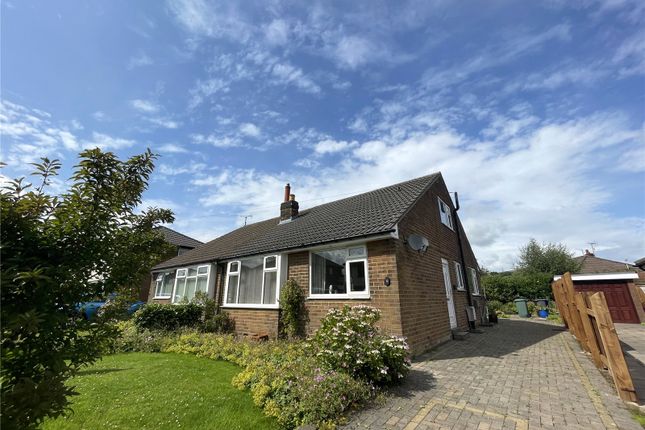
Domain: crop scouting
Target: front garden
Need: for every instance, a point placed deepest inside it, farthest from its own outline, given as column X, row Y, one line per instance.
column 160, row 391
column 292, row 381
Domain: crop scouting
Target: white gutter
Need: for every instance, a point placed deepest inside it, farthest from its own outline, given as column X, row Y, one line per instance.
column 600, row 276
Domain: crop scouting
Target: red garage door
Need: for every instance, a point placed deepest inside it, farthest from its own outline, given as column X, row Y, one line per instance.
column 618, row 298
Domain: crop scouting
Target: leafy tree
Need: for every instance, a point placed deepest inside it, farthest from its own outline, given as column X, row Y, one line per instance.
column 56, row 252
column 551, row 258
column 533, row 274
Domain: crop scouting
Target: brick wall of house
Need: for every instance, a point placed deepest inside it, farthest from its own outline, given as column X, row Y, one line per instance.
column 381, row 262
column 255, row 321
column 423, row 295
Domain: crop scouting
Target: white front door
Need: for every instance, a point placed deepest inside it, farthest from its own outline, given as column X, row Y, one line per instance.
column 448, row 284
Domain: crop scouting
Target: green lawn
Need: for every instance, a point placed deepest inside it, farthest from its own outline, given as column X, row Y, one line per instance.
column 160, row 391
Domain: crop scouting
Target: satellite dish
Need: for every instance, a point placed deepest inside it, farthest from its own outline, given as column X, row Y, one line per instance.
column 418, row 242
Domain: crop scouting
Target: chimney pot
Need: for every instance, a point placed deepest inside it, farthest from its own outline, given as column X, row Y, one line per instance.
column 288, row 208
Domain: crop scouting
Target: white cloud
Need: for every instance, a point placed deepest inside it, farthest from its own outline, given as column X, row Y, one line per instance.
column 249, row 129
column 139, row 60
column 145, row 106
column 546, row 186
column 168, row 170
column 277, row 32
column 217, row 141
column 164, row 122
column 106, row 142
column 287, row 74
column 100, row 116
column 172, row 148
column 211, row 20
column 354, row 51
column 206, row 88
column 329, row 146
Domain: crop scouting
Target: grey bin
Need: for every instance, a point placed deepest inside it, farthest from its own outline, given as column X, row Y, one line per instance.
column 520, row 305
column 542, row 303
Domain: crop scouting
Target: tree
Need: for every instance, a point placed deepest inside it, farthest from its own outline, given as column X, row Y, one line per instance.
column 550, row 258
column 58, row 251
column 533, row 273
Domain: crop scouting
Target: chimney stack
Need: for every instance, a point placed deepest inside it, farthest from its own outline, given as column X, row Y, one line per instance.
column 289, row 207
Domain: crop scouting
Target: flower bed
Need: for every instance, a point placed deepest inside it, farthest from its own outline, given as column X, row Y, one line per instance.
column 300, row 382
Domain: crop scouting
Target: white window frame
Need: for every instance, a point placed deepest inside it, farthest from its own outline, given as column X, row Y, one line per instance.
column 276, row 305
column 350, row 259
column 461, row 286
column 473, row 276
column 159, row 286
column 186, row 277
column 445, row 214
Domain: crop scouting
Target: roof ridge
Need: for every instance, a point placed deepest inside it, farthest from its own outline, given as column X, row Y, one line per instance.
column 181, row 234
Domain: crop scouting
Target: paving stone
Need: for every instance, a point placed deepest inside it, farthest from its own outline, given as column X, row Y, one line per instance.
column 519, row 375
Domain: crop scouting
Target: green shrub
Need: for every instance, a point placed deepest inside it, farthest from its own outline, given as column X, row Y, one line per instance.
column 131, row 339
column 349, row 341
column 293, row 313
column 509, row 308
column 168, row 317
column 284, row 378
column 220, row 323
column 494, row 306
column 531, row 308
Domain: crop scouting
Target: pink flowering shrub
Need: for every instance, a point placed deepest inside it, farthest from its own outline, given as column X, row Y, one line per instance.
column 349, row 341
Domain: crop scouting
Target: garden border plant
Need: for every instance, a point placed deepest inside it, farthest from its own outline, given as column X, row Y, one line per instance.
column 314, row 382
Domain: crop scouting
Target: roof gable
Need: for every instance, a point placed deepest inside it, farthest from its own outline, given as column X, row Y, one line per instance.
column 178, row 239
column 363, row 215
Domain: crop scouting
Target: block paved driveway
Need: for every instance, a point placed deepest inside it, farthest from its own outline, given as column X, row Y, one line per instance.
column 516, row 375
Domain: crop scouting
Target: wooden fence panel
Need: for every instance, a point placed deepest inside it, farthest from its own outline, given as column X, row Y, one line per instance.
column 615, row 358
column 587, row 317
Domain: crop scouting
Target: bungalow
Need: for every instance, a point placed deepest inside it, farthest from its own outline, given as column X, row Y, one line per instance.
column 401, row 249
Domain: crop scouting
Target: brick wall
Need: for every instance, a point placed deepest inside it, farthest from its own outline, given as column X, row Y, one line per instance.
column 423, row 296
column 255, row 321
column 381, row 263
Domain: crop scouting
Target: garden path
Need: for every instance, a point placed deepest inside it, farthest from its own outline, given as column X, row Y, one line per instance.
column 516, row 375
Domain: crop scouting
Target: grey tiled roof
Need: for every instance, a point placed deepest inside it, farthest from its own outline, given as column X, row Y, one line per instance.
column 175, row 238
column 371, row 213
column 589, row 263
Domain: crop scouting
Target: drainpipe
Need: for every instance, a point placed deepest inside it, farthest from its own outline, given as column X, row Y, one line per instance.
column 471, row 324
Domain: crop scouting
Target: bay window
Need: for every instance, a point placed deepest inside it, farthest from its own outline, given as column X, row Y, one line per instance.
column 253, row 281
column 164, row 283
column 338, row 273
column 190, row 280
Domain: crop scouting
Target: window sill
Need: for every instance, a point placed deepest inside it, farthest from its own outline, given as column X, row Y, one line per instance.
column 161, row 297
column 339, row 297
column 463, row 290
column 250, row 306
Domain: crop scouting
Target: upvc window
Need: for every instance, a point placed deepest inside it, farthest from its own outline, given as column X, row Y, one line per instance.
column 252, row 281
column 338, row 273
column 472, row 277
column 460, row 277
column 445, row 213
column 190, row 280
column 164, row 283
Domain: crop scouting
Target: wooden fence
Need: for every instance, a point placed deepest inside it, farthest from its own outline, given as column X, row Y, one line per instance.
column 587, row 317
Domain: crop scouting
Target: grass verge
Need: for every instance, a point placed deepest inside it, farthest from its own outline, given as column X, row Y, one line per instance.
column 160, row 391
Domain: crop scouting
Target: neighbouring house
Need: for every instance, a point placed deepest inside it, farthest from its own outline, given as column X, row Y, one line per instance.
column 401, row 249
column 619, row 281
column 180, row 242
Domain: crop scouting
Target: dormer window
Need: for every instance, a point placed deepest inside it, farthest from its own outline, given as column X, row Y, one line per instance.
column 445, row 213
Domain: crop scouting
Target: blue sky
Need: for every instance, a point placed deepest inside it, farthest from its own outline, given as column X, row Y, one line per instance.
column 533, row 112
